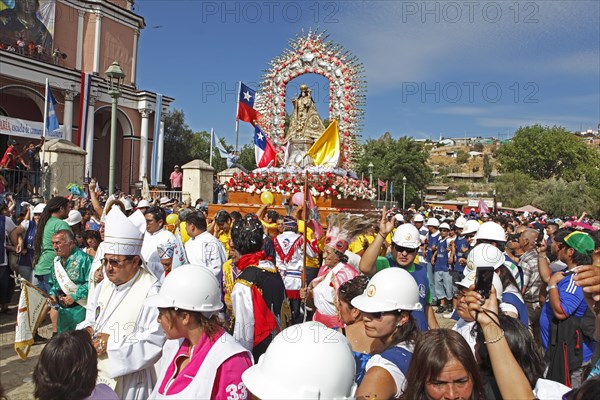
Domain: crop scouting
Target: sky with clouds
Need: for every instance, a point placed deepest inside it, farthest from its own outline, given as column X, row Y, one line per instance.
column 450, row 68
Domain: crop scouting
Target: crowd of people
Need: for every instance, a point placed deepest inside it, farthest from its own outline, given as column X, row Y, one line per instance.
column 155, row 299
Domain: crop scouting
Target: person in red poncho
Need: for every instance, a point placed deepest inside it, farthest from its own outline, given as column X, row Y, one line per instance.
column 260, row 306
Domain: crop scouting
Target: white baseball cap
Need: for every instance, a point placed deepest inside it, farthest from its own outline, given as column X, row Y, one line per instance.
column 419, row 218
column 74, row 217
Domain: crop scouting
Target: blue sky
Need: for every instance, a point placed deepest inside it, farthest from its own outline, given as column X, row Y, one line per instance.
column 450, row 68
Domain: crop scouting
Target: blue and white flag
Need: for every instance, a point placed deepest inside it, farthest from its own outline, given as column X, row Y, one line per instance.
column 222, row 152
column 51, row 119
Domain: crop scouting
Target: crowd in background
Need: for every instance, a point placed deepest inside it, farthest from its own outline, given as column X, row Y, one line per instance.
column 380, row 283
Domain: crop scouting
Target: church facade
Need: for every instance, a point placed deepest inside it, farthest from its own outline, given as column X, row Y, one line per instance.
column 72, row 43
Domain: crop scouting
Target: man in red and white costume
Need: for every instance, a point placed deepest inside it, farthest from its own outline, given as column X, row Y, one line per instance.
column 289, row 250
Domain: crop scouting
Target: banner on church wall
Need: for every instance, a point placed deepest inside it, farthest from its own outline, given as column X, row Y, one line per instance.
column 27, row 129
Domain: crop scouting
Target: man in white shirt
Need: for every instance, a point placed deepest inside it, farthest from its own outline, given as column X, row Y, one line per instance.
column 155, row 235
column 203, row 248
column 125, row 333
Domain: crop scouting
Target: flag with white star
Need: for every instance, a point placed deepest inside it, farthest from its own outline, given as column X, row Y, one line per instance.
column 246, row 111
column 264, row 151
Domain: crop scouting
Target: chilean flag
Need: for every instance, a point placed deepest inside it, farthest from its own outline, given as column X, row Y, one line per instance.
column 263, row 149
column 246, row 111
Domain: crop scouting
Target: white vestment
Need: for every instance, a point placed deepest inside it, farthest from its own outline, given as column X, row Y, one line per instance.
column 136, row 338
column 207, row 251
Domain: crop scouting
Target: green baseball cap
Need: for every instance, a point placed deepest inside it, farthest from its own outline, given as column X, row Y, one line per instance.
column 580, row 242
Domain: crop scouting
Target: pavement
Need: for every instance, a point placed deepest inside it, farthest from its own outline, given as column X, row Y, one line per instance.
column 16, row 374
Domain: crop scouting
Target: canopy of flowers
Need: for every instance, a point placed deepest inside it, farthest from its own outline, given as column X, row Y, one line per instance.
column 323, row 184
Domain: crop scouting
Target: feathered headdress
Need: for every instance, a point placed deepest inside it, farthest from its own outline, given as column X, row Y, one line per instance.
column 343, row 228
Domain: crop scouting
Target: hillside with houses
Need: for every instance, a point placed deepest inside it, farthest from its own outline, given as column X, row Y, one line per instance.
column 464, row 169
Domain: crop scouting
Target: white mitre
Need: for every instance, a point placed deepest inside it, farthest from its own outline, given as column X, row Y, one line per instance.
column 123, row 236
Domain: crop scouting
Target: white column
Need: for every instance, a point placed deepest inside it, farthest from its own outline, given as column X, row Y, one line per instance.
column 68, row 116
column 136, row 37
column 79, row 55
column 144, row 144
column 161, row 146
column 89, row 139
column 97, row 42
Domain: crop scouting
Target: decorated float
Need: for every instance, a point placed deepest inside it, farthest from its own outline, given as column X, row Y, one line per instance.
column 330, row 180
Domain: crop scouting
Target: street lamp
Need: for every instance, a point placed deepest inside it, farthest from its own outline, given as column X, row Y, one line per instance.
column 115, row 80
column 404, row 192
column 370, row 166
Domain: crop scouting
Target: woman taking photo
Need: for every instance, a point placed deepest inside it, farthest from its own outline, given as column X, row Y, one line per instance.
column 386, row 306
column 322, row 291
column 200, row 360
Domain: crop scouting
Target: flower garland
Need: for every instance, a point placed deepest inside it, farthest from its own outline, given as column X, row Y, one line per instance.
column 314, row 53
column 321, row 185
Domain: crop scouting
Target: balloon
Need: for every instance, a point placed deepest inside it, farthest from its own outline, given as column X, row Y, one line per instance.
column 298, row 198
column 172, row 219
column 266, row 197
column 184, row 235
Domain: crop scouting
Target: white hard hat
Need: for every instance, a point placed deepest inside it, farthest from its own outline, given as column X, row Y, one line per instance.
column 445, row 226
column 460, row 222
column 127, row 204
column 74, row 217
column 407, row 235
column 419, row 218
column 143, row 204
column 484, row 255
column 433, row 222
column 293, row 365
column 469, row 280
column 38, row 209
column 471, row 226
column 388, row 290
column 189, row 287
column 491, row 231
column 399, row 217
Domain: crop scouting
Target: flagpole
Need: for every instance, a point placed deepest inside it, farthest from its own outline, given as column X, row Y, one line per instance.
column 386, row 192
column 211, row 146
column 237, row 112
column 44, row 132
column 304, row 218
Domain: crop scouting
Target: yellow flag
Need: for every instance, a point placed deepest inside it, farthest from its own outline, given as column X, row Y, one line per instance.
column 31, row 305
column 326, row 150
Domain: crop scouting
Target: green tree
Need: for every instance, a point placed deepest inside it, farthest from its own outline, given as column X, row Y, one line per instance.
column 394, row 159
column 177, row 137
column 544, row 152
column 478, row 147
column 462, row 157
column 487, row 167
column 182, row 145
column 562, row 198
column 247, row 158
column 514, row 189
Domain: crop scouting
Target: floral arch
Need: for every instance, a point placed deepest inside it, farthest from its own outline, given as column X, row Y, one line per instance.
column 314, row 53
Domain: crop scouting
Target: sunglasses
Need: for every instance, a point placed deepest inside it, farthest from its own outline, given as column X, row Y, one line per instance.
column 402, row 249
